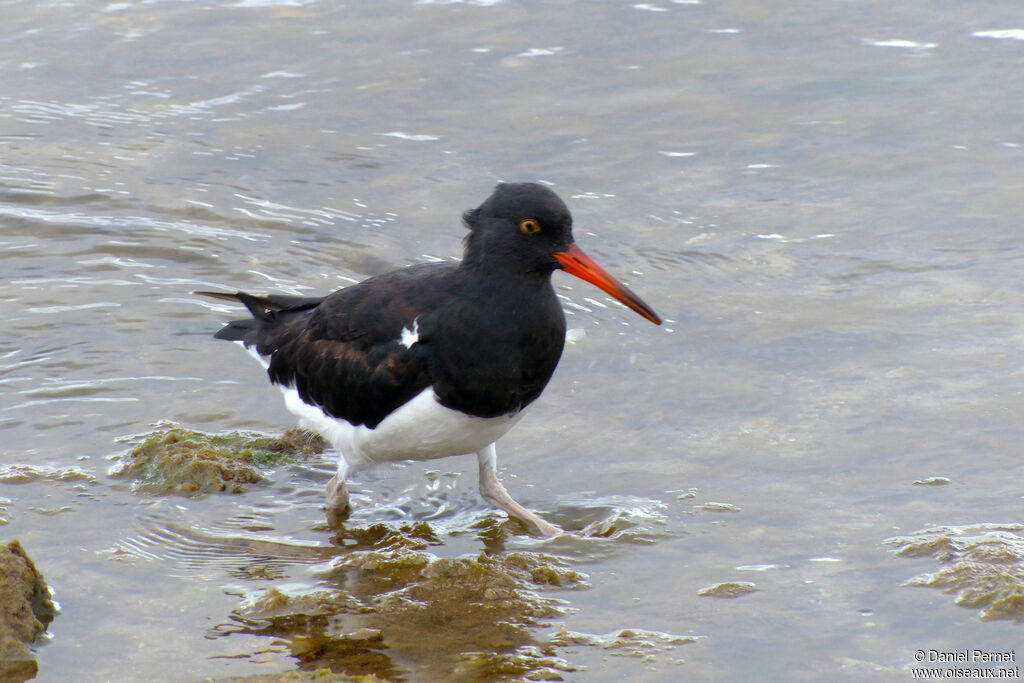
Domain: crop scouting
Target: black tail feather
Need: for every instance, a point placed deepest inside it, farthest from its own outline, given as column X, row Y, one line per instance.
column 236, row 330
column 271, row 315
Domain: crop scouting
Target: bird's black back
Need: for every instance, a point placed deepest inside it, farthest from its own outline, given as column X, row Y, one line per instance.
column 487, row 346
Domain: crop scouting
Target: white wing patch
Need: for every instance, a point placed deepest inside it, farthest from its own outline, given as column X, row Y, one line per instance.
column 410, row 335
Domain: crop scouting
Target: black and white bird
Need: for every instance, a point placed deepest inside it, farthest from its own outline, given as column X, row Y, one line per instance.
column 436, row 359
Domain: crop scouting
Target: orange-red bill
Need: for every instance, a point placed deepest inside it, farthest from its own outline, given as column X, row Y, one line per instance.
column 575, row 262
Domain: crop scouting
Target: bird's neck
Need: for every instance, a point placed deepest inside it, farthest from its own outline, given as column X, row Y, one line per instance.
column 496, row 280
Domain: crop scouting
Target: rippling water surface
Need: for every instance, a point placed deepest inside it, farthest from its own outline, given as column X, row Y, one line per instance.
column 822, row 199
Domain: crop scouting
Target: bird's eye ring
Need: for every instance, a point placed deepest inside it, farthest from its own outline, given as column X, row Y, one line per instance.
column 529, row 226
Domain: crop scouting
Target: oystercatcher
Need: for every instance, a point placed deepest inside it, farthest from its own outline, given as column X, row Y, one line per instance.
column 435, row 359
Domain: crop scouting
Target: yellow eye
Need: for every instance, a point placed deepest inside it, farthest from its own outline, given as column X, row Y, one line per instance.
column 529, row 226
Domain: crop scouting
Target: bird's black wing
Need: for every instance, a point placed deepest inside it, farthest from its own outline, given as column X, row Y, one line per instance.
column 349, row 357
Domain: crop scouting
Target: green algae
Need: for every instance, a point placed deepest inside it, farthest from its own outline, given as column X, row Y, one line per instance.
column 190, row 462
column 25, row 611
column 983, row 565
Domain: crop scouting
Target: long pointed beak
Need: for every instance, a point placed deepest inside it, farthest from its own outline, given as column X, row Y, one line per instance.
column 575, row 262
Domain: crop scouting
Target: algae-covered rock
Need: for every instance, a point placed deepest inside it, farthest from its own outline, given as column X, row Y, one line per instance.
column 274, row 604
column 25, row 610
column 728, row 589
column 391, row 605
column 22, row 474
column 308, row 625
column 190, row 462
column 984, row 565
column 527, row 663
column 479, row 593
column 413, row 536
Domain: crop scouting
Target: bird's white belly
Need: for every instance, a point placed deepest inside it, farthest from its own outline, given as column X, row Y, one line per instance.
column 421, row 429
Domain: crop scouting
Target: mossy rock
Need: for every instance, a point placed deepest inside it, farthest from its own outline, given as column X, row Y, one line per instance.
column 186, row 461
column 25, row 611
column 728, row 589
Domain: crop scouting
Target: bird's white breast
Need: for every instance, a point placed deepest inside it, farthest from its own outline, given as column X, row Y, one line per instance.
column 420, row 429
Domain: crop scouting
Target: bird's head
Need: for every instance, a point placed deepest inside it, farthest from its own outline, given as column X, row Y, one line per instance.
column 526, row 227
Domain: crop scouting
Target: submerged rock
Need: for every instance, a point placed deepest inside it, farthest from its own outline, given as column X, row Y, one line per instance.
column 190, row 462
column 25, row 611
column 632, row 642
column 22, row 474
column 392, row 607
column 527, row 663
column 728, row 589
column 984, row 565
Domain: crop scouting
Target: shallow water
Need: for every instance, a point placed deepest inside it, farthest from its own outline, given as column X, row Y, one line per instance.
column 823, row 201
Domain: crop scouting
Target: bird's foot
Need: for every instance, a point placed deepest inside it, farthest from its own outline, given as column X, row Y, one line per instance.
column 337, row 502
column 337, row 494
column 495, row 494
column 540, row 526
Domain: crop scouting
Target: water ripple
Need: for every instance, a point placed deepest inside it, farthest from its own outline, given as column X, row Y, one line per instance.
column 236, row 545
column 67, row 218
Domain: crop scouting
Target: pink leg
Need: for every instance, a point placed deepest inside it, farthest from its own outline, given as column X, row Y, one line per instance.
column 337, row 502
column 495, row 494
column 337, row 494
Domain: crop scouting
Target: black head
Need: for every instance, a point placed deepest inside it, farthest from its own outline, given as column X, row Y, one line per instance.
column 524, row 228
column 520, row 226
